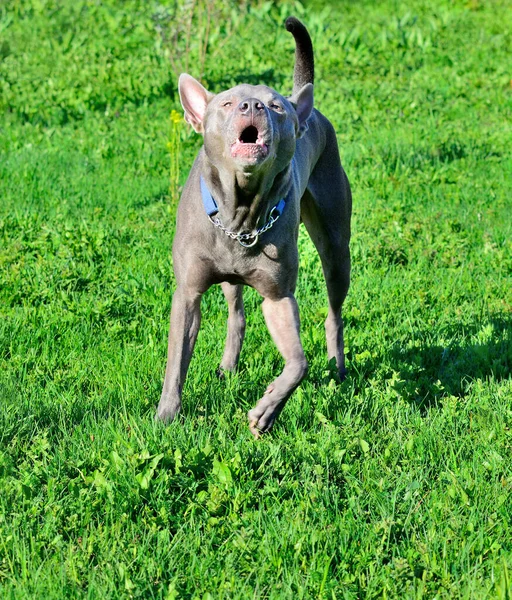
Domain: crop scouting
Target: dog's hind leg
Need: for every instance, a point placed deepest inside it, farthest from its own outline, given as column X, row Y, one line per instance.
column 335, row 257
column 336, row 267
column 325, row 211
column 236, row 326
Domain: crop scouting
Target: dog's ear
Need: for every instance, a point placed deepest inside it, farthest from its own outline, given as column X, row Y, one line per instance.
column 303, row 102
column 194, row 99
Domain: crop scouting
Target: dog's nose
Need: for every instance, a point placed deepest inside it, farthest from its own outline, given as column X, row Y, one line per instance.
column 252, row 105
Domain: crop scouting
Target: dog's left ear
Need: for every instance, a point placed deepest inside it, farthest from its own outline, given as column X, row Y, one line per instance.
column 194, row 99
column 303, row 102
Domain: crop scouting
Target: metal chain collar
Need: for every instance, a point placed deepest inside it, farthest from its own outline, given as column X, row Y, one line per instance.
column 241, row 237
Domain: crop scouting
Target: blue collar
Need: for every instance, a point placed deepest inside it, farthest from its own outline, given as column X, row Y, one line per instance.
column 209, row 203
column 211, row 207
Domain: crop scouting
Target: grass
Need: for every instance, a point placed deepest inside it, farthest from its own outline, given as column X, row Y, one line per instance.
column 395, row 484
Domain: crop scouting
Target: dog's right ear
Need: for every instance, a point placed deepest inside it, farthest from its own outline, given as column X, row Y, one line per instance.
column 194, row 99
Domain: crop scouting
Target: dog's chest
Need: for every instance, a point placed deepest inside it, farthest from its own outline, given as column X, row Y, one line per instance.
column 270, row 269
column 243, row 262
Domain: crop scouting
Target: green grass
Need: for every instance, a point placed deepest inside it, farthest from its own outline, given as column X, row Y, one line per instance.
column 395, row 484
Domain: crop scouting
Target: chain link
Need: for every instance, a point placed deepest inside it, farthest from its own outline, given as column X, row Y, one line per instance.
column 241, row 237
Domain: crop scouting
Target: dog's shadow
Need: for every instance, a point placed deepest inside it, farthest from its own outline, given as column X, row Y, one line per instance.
column 425, row 375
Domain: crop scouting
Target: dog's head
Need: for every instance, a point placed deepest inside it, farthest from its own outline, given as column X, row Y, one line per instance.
column 247, row 127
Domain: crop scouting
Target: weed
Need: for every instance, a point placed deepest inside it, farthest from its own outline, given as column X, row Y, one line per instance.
column 174, row 147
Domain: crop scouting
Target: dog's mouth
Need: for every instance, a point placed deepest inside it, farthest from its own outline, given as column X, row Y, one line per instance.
column 250, row 145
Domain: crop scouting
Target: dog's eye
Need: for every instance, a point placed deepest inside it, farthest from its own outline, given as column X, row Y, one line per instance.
column 228, row 103
column 275, row 107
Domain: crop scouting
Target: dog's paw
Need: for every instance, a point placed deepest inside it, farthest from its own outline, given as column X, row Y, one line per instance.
column 263, row 416
column 166, row 412
column 335, row 372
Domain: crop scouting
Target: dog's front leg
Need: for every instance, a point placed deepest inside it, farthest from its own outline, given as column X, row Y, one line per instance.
column 282, row 318
column 185, row 322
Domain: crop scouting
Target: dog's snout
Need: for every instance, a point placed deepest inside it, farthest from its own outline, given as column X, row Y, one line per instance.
column 251, row 106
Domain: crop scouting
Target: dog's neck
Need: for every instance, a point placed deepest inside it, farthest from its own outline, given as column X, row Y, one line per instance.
column 245, row 198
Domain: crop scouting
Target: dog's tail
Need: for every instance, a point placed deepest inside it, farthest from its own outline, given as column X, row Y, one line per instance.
column 304, row 70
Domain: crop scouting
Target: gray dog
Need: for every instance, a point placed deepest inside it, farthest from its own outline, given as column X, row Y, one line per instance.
column 267, row 163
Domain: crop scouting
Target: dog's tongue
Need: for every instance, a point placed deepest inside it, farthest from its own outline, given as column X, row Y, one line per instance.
column 242, row 150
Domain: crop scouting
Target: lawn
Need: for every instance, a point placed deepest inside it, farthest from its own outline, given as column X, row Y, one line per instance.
column 396, row 483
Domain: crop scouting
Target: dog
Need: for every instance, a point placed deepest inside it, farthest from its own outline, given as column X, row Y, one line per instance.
column 268, row 162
